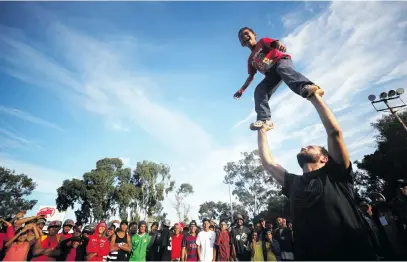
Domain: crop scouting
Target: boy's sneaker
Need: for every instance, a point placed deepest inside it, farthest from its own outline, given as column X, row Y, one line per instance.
column 260, row 123
column 308, row 90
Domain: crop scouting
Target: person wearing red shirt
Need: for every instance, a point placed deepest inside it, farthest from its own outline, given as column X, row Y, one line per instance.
column 66, row 228
column 46, row 247
column 176, row 241
column 98, row 245
column 268, row 57
column 223, row 242
column 7, row 232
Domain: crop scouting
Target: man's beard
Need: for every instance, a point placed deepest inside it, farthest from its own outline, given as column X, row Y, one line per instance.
column 304, row 158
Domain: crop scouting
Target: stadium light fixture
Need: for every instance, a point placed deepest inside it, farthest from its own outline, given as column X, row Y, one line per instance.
column 391, row 93
column 400, row 91
column 371, row 98
column 383, row 95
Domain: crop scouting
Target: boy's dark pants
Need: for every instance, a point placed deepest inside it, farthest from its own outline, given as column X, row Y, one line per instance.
column 283, row 70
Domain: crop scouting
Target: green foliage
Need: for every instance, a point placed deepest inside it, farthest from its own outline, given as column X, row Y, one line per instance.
column 180, row 205
column 153, row 183
column 277, row 206
column 388, row 163
column 111, row 189
column 13, row 189
column 220, row 210
column 251, row 182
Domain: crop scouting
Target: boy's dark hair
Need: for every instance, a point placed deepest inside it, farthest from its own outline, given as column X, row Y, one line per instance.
column 244, row 28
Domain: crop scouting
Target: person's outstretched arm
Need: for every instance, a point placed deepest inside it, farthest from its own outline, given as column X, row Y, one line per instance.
column 246, row 84
column 277, row 171
column 336, row 144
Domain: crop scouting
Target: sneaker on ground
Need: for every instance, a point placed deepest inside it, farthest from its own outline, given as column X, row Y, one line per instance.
column 309, row 90
column 260, row 123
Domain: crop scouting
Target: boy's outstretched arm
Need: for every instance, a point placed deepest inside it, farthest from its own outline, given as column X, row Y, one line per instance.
column 336, row 144
column 277, row 171
column 246, row 84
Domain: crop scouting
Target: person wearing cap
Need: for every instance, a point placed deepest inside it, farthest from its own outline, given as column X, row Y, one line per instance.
column 322, row 199
column 206, row 243
column 165, row 247
column 46, row 247
column 66, row 229
column 240, row 239
column 98, row 247
column 139, row 243
column 153, row 248
column 40, row 225
column 189, row 247
column 250, row 226
column 120, row 244
column 18, row 246
column 271, row 247
column 223, row 242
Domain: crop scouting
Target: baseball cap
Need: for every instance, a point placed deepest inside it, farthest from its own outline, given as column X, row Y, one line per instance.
column 239, row 217
column 55, row 223
column 167, row 222
column 69, row 222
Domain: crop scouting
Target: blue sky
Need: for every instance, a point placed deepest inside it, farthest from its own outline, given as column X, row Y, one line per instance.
column 154, row 81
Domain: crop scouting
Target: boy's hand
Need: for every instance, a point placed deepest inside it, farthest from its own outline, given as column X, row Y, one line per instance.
column 281, row 47
column 238, row 94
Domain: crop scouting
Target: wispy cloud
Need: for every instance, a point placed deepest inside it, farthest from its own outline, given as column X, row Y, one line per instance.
column 41, row 175
column 27, row 117
column 106, row 88
column 10, row 140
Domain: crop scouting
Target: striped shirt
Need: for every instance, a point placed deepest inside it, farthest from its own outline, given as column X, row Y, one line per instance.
column 189, row 242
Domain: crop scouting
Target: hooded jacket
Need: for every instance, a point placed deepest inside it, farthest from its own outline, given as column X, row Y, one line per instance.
column 98, row 245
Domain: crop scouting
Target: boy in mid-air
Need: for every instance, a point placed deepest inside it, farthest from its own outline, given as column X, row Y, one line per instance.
column 268, row 56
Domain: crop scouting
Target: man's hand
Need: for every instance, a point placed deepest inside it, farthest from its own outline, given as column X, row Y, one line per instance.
column 266, row 128
column 319, row 93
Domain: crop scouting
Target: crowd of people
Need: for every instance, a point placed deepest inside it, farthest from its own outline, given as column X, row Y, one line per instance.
column 24, row 239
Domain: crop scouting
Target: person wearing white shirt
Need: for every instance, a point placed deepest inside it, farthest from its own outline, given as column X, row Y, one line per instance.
column 206, row 243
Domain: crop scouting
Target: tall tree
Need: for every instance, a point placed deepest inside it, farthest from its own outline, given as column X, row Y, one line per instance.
column 180, row 205
column 13, row 190
column 220, row 210
column 101, row 192
column 388, row 162
column 111, row 189
column 252, row 185
column 153, row 183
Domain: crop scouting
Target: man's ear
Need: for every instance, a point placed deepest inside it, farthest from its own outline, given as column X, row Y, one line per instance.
column 323, row 159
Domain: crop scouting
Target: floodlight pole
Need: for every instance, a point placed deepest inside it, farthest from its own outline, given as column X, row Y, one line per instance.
column 395, row 114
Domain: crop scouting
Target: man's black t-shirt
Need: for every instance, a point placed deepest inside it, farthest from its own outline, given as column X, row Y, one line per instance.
column 240, row 238
column 327, row 224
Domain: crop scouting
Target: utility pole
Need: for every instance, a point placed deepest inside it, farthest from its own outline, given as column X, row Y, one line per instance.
column 231, row 206
column 385, row 98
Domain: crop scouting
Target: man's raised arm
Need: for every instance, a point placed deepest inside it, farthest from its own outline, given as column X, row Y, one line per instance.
column 336, row 143
column 277, row 171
